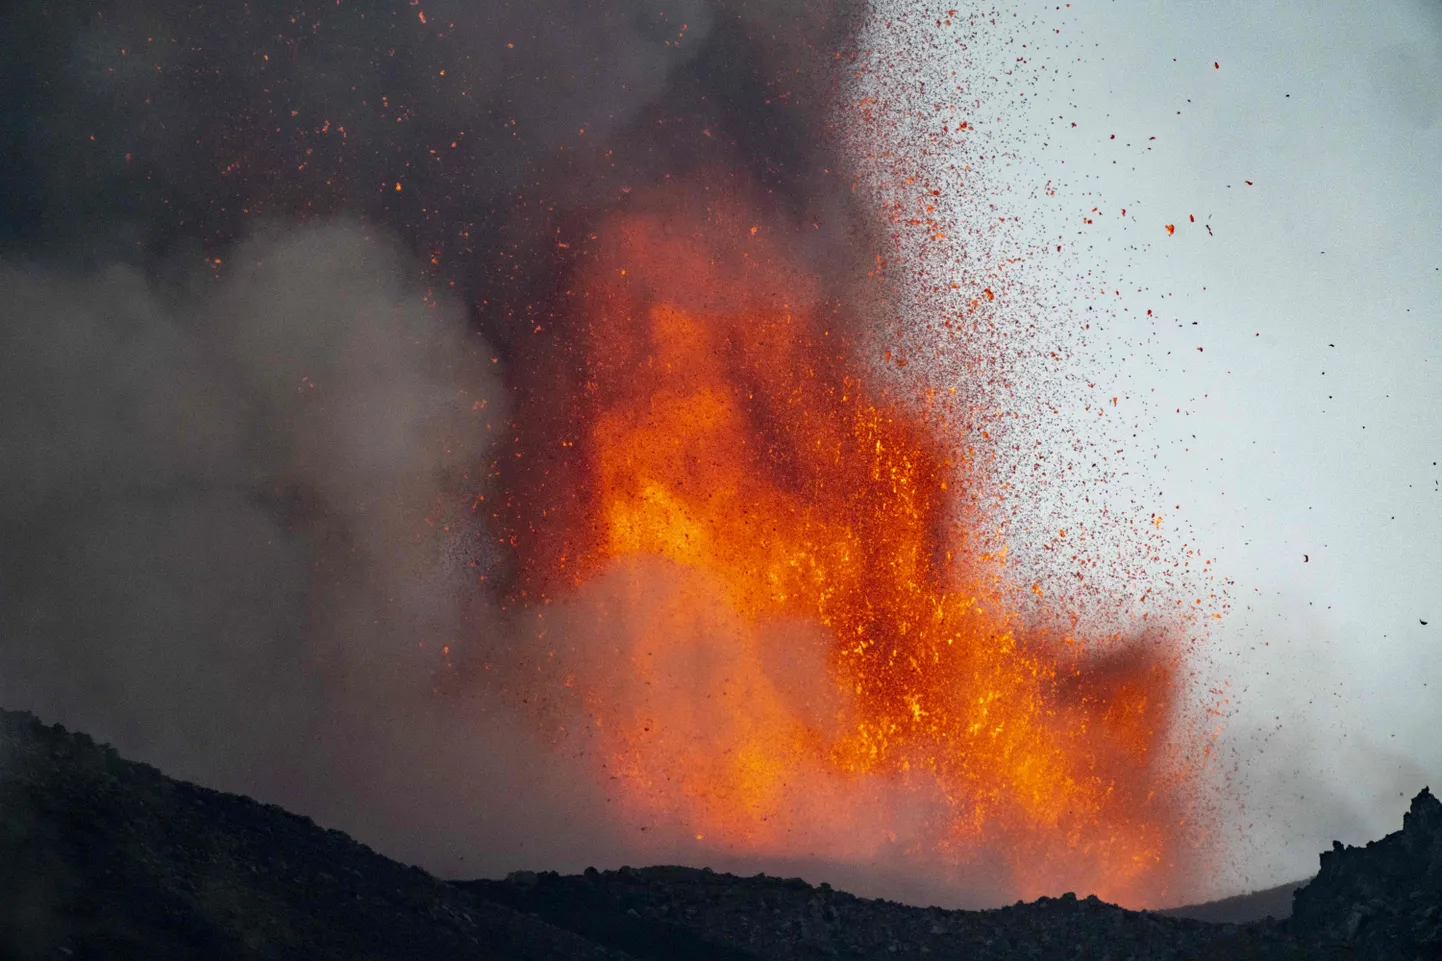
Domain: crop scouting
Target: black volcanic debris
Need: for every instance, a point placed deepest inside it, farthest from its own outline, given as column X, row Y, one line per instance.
column 108, row 859
column 1384, row 898
column 102, row 858
column 645, row 910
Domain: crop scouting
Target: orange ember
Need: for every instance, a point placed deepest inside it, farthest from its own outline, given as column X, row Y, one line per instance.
column 801, row 644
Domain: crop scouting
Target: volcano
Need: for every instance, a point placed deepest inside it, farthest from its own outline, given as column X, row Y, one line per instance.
column 486, row 425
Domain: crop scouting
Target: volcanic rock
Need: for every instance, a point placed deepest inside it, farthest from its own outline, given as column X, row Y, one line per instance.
column 1383, row 900
column 104, row 858
column 674, row 912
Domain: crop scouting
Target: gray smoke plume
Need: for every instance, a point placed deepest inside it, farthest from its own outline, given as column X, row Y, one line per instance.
column 183, row 464
column 238, row 541
column 268, row 286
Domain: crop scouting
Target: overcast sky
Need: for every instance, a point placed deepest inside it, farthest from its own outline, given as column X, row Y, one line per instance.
column 1302, row 441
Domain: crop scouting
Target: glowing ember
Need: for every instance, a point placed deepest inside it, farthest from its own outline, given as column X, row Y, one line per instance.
column 801, row 645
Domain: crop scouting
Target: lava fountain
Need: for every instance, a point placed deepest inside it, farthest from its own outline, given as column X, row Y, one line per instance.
column 769, row 588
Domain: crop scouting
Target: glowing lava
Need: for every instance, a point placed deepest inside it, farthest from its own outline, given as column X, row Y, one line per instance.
column 791, row 639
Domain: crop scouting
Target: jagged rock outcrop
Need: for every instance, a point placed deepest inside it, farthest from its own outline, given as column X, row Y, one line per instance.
column 1383, row 900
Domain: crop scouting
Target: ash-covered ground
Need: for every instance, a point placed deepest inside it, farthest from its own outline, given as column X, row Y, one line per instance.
column 101, row 857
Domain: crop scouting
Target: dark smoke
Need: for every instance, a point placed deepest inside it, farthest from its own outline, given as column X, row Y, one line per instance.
column 145, row 130
column 273, row 284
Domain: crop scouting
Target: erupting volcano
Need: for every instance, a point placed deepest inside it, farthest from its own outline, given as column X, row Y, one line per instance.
column 628, row 281
column 798, row 636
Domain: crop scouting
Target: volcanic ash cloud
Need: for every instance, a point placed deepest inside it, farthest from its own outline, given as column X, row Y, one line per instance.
column 237, row 530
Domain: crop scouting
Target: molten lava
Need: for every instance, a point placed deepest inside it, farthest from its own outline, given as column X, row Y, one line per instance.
column 793, row 639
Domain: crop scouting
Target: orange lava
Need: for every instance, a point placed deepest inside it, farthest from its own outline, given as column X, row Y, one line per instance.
column 798, row 629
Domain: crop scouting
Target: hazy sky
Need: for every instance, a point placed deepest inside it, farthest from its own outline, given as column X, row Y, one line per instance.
column 1302, row 441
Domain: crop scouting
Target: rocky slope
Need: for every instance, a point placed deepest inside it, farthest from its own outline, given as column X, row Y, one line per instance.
column 1385, row 899
column 104, row 858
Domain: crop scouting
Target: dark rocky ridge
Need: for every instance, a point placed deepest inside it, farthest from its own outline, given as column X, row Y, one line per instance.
column 104, row 858
column 787, row 919
column 1386, row 897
